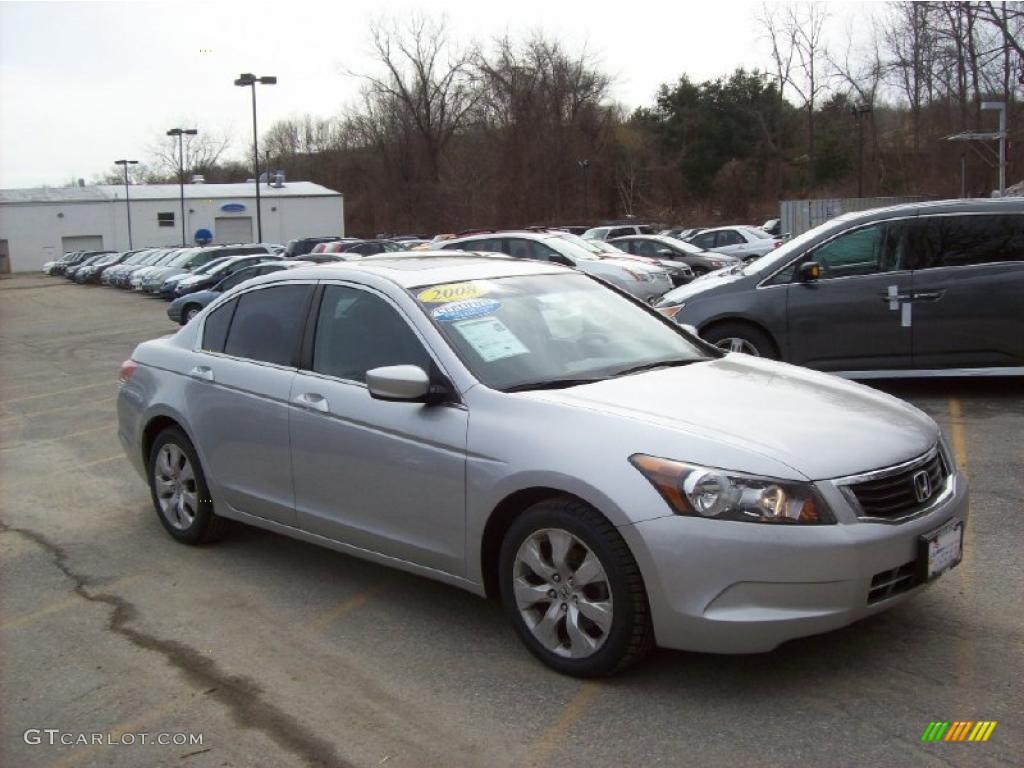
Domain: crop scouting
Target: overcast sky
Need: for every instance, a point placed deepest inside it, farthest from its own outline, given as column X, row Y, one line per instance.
column 85, row 83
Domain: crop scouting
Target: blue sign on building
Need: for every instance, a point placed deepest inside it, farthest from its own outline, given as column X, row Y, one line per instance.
column 233, row 207
column 203, row 237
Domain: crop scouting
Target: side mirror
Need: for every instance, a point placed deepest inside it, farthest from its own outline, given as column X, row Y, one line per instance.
column 403, row 383
column 808, row 272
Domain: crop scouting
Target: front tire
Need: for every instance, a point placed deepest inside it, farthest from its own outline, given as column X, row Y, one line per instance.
column 741, row 337
column 179, row 491
column 573, row 591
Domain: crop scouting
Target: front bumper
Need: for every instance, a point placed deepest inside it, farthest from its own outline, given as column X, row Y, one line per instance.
column 732, row 587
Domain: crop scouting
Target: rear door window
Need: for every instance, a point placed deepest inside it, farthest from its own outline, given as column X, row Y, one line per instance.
column 268, row 324
column 215, row 328
column 961, row 241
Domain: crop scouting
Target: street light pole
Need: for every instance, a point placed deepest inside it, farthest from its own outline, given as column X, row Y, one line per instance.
column 250, row 80
column 1001, row 107
column 180, row 132
column 859, row 112
column 127, row 204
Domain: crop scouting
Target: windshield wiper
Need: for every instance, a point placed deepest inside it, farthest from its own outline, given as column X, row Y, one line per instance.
column 551, row 384
column 659, row 364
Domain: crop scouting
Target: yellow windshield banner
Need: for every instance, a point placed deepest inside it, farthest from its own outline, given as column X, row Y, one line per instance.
column 452, row 292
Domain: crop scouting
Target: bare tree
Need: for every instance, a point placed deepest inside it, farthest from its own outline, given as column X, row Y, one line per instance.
column 425, row 78
column 199, row 153
column 796, row 34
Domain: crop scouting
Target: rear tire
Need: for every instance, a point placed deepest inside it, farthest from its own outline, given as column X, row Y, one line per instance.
column 179, row 491
column 573, row 590
column 741, row 337
column 190, row 311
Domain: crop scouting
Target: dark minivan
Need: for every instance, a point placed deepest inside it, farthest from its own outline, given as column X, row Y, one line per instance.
column 923, row 289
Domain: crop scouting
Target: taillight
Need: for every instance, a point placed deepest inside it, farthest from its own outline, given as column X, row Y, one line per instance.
column 128, row 368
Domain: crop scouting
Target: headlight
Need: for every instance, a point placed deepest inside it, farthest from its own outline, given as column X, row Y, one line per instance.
column 671, row 311
column 723, row 495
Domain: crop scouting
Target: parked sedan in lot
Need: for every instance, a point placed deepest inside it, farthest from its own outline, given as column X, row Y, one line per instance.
column 92, row 272
column 671, row 249
column 641, row 280
column 678, row 273
column 160, row 257
column 514, row 428
column 109, row 275
column 50, row 266
column 190, row 260
column 97, row 256
column 184, row 308
column 922, row 289
column 746, row 243
column 224, row 267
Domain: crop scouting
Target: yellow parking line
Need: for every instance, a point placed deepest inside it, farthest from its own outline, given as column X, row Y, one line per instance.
column 321, row 622
column 131, row 726
column 110, row 383
column 30, row 443
column 60, row 605
column 560, row 729
column 957, row 435
column 109, row 399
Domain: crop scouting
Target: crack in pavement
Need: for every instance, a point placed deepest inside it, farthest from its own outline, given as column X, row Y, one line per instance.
column 240, row 694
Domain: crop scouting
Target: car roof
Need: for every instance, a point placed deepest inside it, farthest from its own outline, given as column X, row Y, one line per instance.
column 413, row 269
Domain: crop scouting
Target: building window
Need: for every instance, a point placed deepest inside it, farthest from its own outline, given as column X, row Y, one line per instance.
column 165, row 219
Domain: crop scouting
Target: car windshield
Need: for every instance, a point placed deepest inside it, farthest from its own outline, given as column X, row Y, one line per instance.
column 678, row 245
column 760, row 234
column 571, row 250
column 599, row 248
column 788, row 249
column 547, row 331
column 209, row 266
column 181, row 259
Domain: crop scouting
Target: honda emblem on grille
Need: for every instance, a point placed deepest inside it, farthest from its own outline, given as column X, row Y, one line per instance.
column 922, row 485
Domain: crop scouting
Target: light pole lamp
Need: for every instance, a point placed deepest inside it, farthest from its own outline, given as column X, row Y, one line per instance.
column 1000, row 106
column 180, row 132
column 248, row 79
column 127, row 206
column 859, row 111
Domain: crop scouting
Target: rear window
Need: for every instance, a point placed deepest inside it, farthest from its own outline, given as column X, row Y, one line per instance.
column 268, row 323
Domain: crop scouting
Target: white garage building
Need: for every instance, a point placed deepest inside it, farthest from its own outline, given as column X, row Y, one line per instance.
column 37, row 225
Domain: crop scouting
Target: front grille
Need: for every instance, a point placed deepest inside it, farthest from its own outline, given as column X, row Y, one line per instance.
column 885, row 584
column 896, row 494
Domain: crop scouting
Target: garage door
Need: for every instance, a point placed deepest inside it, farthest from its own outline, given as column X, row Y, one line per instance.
column 233, row 229
column 82, row 243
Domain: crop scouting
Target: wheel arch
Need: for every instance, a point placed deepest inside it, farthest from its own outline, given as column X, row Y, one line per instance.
column 500, row 520
column 743, row 320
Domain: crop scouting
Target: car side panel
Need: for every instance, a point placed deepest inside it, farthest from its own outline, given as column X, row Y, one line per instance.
column 970, row 316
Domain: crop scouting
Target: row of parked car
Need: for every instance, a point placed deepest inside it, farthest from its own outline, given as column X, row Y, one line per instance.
column 646, row 266
column 909, row 290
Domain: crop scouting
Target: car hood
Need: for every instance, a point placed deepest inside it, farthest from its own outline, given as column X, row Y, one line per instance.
column 819, row 425
column 700, row 285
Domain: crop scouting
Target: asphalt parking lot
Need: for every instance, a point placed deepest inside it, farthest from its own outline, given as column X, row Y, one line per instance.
column 279, row 653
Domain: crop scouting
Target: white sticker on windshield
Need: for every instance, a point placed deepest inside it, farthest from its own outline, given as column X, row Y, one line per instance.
column 491, row 338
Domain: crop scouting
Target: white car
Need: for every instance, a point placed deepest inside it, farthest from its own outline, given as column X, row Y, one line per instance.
column 746, row 243
column 617, row 230
column 648, row 282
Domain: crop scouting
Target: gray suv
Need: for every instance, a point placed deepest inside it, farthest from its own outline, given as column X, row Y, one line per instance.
column 913, row 290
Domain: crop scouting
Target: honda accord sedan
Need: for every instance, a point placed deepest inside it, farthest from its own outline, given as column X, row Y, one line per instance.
column 526, row 432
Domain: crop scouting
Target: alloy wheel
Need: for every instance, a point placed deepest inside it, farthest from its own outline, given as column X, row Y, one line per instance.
column 736, row 344
column 175, row 483
column 562, row 593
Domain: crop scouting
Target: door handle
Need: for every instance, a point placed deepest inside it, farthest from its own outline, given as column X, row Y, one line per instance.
column 203, row 372
column 928, row 295
column 313, row 401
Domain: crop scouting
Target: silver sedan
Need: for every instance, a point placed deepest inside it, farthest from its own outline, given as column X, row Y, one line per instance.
column 525, row 432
